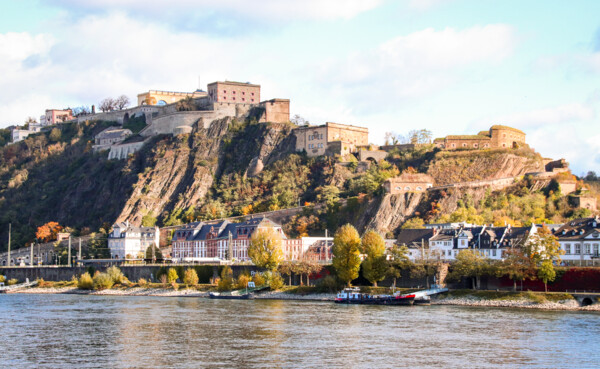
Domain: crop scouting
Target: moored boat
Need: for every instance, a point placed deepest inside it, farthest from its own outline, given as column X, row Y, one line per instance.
column 217, row 295
column 353, row 296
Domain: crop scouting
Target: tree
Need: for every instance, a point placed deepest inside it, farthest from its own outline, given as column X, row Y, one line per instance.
column 157, row 254
column 545, row 251
column 413, row 223
column 265, row 248
column 107, row 104
column 287, row 268
column 375, row 263
column 55, row 134
column 226, row 282
column 190, row 277
column 546, row 273
column 517, row 266
column 472, row 264
column 121, row 102
column 172, row 275
column 187, row 104
column 399, row 262
column 346, row 253
column 299, row 121
column 81, row 110
column 149, row 220
column 48, row 232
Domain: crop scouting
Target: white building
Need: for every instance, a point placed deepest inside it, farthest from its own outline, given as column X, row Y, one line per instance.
column 445, row 244
column 580, row 239
column 21, row 134
column 127, row 242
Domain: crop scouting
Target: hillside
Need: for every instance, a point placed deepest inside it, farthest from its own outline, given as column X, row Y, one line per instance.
column 239, row 167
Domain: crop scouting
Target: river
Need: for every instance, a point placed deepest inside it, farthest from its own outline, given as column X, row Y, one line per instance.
column 72, row 331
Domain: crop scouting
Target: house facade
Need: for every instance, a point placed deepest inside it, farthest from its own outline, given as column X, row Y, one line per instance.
column 408, row 182
column 55, row 116
column 445, row 243
column 110, row 136
column 128, row 242
column 580, row 240
column 226, row 241
column 318, row 140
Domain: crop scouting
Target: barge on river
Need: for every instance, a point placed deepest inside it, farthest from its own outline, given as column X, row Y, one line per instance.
column 353, row 296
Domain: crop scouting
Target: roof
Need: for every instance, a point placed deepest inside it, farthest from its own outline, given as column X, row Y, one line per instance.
column 234, row 83
column 499, row 126
column 578, row 228
column 125, row 228
column 113, row 132
column 467, row 137
column 200, row 230
column 412, row 177
column 414, row 237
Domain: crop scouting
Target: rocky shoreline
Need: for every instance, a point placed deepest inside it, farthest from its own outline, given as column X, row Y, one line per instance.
column 570, row 305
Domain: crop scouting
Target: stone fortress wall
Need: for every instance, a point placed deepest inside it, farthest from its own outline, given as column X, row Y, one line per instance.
column 498, row 136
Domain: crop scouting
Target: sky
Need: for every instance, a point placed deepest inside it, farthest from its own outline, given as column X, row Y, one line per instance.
column 449, row 66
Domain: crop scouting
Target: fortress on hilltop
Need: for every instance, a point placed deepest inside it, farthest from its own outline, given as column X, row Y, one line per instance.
column 497, row 137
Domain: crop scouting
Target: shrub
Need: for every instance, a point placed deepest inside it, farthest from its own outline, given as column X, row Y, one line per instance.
column 43, row 283
column 85, row 282
column 2, row 278
column 102, row 281
column 142, row 282
column 242, row 281
column 12, row 281
column 226, row 281
column 163, row 280
column 329, row 284
column 172, row 275
column 274, row 281
column 537, row 298
column 190, row 277
column 258, row 279
column 116, row 275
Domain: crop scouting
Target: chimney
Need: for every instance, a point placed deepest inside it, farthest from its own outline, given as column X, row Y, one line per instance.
column 93, row 109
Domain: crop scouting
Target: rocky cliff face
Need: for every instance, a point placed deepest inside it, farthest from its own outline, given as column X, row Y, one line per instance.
column 387, row 213
column 180, row 170
column 464, row 166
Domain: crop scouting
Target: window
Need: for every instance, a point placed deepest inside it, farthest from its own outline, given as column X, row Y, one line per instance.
column 464, row 145
column 493, row 252
column 453, row 145
column 233, row 92
column 596, row 249
column 224, row 91
column 243, row 93
column 587, row 248
column 577, row 249
column 252, row 100
column 568, row 249
column 234, row 98
column 475, row 145
column 243, row 99
column 252, row 93
column 419, row 188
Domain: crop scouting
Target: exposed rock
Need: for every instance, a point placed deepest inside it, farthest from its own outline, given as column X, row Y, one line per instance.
column 390, row 212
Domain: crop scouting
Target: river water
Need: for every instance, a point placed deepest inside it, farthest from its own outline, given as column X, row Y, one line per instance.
column 73, row 331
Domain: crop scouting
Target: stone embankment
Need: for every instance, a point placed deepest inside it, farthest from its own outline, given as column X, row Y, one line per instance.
column 519, row 303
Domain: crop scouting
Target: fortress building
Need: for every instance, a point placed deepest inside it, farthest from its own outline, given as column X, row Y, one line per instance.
column 497, row 137
column 156, row 97
column 330, row 138
column 234, row 92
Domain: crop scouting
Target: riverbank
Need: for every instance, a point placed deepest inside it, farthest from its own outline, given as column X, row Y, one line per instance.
column 526, row 300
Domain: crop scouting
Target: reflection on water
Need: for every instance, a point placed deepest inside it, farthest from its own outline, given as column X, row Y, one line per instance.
column 110, row 331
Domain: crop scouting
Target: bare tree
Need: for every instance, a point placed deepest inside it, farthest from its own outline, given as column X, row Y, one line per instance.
column 299, row 121
column 121, row 102
column 81, row 110
column 107, row 104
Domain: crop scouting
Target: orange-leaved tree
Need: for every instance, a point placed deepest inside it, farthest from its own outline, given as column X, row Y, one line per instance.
column 48, row 231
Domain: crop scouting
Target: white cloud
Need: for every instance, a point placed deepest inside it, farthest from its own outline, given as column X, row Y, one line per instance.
column 415, row 65
column 104, row 56
column 279, row 11
column 566, row 113
column 425, row 4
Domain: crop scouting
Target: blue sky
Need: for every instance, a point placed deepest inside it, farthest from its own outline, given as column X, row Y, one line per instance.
column 451, row 66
